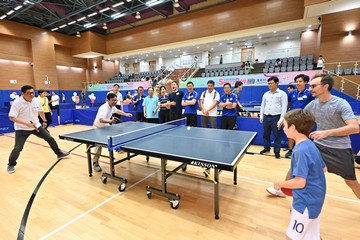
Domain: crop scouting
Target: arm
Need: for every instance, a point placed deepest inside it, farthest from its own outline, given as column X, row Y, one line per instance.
column 184, row 103
column 352, row 127
column 262, row 108
column 284, row 106
column 296, row 182
column 19, row 121
column 121, row 112
column 144, row 110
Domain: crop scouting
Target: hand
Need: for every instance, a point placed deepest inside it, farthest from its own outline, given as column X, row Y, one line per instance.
column 261, row 120
column 144, row 115
column 128, row 115
column 115, row 119
column 44, row 124
column 206, row 112
column 318, row 135
column 279, row 124
column 277, row 185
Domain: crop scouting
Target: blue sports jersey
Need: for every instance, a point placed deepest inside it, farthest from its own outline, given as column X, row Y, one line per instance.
column 191, row 109
column 139, row 105
column 299, row 99
column 306, row 162
column 162, row 100
column 229, row 98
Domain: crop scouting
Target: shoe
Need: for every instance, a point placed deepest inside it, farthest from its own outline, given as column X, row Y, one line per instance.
column 97, row 167
column 274, row 192
column 10, row 169
column 277, row 155
column 63, row 155
column 264, row 151
column 288, row 154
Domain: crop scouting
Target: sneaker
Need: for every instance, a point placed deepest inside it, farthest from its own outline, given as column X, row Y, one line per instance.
column 264, row 151
column 277, row 155
column 288, row 154
column 96, row 167
column 274, row 192
column 63, row 155
column 10, row 169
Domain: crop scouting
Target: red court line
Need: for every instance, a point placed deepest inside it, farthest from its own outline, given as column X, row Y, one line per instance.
column 46, row 146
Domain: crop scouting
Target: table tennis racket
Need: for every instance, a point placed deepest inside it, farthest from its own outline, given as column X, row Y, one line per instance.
column 36, row 129
column 116, row 119
column 287, row 191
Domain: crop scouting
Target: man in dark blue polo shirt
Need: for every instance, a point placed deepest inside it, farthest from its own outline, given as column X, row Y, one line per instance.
column 298, row 98
column 138, row 101
column 175, row 99
column 228, row 103
column 190, row 104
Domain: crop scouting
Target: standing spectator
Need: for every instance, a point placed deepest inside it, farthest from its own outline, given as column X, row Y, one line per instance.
column 190, row 104
column 278, row 62
column 46, row 109
column 290, row 88
column 298, row 98
column 320, row 62
column 163, row 104
column 175, row 102
column 55, row 99
column 306, row 178
column 24, row 112
column 138, row 101
column 63, row 97
column 273, row 108
column 119, row 103
column 128, row 95
column 228, row 103
column 150, row 107
column 221, row 59
column 208, row 104
column 237, row 90
column 83, row 100
column 104, row 118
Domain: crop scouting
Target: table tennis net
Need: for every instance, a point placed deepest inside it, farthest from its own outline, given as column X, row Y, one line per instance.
column 121, row 139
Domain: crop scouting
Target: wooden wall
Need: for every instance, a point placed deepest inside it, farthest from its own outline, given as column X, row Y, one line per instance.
column 335, row 45
column 310, row 43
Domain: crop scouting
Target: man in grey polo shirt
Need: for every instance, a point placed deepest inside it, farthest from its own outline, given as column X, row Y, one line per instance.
column 273, row 108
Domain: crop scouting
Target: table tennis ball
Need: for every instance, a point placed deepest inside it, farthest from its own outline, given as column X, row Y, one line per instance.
column 188, row 128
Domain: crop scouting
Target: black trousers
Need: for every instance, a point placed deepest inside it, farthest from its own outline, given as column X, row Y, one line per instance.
column 20, row 139
column 48, row 117
column 56, row 107
column 228, row 122
column 191, row 120
column 164, row 116
column 140, row 117
column 152, row 120
column 175, row 115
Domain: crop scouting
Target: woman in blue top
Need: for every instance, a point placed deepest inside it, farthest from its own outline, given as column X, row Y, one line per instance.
column 163, row 104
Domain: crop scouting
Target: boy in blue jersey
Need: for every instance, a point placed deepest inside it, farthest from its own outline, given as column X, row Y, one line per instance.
column 190, row 104
column 298, row 98
column 228, row 103
column 307, row 179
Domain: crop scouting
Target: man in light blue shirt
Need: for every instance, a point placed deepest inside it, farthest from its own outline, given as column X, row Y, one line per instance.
column 273, row 108
column 150, row 107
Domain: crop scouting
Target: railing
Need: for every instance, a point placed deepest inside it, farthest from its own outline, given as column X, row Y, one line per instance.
column 345, row 85
column 192, row 67
column 344, row 68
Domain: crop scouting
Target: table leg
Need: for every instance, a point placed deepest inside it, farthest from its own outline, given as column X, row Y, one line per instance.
column 88, row 154
column 235, row 176
column 216, row 192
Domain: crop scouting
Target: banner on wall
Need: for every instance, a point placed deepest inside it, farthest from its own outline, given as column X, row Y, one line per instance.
column 123, row 86
column 252, row 79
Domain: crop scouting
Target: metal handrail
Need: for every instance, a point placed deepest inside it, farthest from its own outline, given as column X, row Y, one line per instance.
column 343, row 80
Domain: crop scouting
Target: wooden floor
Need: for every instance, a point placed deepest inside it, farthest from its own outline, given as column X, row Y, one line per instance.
column 72, row 205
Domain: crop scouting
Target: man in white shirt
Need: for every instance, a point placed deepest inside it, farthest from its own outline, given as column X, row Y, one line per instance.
column 24, row 112
column 55, row 99
column 104, row 118
column 273, row 108
column 208, row 104
column 119, row 103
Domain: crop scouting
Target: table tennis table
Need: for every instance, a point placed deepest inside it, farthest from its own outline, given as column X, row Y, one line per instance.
column 202, row 147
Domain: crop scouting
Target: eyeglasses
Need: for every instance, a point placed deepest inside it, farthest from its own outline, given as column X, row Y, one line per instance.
column 30, row 93
column 314, row 85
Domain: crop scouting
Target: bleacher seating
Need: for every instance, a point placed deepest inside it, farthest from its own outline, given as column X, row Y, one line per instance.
column 297, row 63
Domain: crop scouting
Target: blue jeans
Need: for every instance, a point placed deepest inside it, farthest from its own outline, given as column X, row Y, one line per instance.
column 270, row 125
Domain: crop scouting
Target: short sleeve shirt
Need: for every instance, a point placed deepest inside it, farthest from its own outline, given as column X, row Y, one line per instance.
column 26, row 111
column 209, row 99
column 307, row 163
column 191, row 109
column 105, row 112
column 177, row 98
column 299, row 99
column 139, row 104
column 162, row 100
column 330, row 115
column 55, row 100
column 229, row 98
column 151, row 103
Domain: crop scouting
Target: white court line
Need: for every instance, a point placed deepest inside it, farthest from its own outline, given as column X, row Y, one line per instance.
column 94, row 208
column 271, row 183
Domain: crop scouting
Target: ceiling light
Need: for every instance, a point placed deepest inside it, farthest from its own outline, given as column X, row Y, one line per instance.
column 287, row 37
column 260, row 37
column 54, row 29
column 80, row 19
column 3, row 16
column 62, row 26
column 10, row 12
column 274, row 31
column 152, row 3
column 18, row 7
column 309, row 26
column 178, row 50
column 220, row 44
column 78, row 34
column 118, row 4
column 147, row 55
column 128, row 0
column 70, row 23
column 349, row 33
column 212, row 49
column 92, row 14
column 197, row 47
column 308, row 30
column 154, row 54
column 170, row 51
column 137, row 16
column 176, row 3
column 104, row 26
column 258, row 34
column 104, row 9
column 89, row 25
column 118, row 15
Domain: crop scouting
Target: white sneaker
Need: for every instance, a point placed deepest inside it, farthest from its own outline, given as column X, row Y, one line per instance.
column 274, row 192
